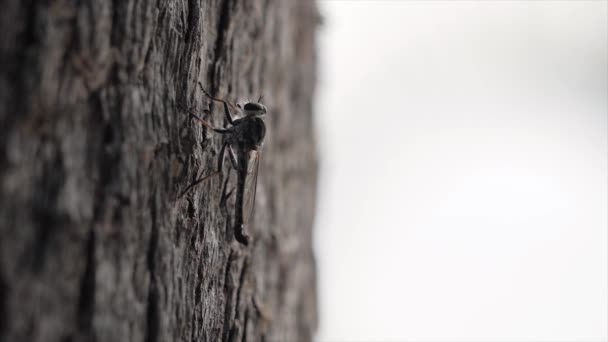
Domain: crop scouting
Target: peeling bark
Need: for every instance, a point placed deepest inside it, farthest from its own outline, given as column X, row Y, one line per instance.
column 95, row 146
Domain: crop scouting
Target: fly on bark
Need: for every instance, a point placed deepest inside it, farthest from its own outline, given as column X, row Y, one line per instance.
column 244, row 135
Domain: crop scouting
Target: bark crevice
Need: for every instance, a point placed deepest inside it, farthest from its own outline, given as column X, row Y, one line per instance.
column 86, row 300
column 219, row 51
column 152, row 313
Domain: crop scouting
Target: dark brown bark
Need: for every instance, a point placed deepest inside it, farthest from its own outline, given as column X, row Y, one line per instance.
column 94, row 149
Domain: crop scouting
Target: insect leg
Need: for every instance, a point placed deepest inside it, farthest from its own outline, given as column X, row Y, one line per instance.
column 206, row 124
column 225, row 103
column 233, row 158
column 220, row 164
column 220, row 161
column 225, row 196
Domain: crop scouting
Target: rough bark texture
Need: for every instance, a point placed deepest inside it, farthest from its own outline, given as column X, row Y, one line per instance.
column 94, row 149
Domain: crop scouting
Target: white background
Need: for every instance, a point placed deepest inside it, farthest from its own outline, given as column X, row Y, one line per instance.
column 463, row 190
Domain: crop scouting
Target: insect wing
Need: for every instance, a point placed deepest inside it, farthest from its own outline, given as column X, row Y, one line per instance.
column 251, row 185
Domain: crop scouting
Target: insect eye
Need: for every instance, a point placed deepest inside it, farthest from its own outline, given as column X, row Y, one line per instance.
column 252, row 106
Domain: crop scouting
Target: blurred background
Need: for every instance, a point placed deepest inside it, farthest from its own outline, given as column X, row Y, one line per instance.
column 463, row 191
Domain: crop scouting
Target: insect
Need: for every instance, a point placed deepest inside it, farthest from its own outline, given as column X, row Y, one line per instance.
column 246, row 136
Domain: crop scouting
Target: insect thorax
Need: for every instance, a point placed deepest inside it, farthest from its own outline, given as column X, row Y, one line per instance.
column 251, row 132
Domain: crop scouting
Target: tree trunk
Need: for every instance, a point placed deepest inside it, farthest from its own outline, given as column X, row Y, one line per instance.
column 95, row 147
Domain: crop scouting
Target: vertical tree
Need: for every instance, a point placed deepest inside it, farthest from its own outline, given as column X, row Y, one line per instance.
column 95, row 146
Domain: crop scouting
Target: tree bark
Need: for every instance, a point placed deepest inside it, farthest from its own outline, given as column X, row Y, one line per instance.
column 95, row 146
